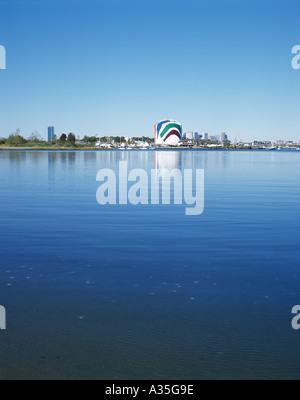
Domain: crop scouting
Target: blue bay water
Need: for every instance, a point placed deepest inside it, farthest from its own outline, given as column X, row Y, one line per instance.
column 146, row 292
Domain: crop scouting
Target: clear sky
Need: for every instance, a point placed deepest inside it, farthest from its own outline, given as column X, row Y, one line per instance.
column 116, row 67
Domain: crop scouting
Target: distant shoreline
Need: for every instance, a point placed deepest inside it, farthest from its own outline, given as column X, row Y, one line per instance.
column 134, row 149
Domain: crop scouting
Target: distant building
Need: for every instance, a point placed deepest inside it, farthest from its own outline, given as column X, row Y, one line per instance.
column 224, row 137
column 167, row 132
column 189, row 135
column 50, row 133
column 196, row 135
column 205, row 136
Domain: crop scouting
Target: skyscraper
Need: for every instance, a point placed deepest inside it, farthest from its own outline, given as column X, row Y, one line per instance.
column 205, row 136
column 223, row 137
column 50, row 133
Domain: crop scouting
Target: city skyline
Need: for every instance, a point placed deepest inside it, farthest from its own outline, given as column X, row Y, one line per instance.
column 185, row 136
column 194, row 135
column 107, row 69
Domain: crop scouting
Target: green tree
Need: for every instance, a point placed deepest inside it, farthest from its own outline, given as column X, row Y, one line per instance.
column 35, row 137
column 226, row 144
column 71, row 138
column 63, row 138
column 16, row 139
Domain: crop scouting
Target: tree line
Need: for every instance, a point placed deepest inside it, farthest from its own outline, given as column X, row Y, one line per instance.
column 16, row 139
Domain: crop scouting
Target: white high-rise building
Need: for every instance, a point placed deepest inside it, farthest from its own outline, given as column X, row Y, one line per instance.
column 223, row 137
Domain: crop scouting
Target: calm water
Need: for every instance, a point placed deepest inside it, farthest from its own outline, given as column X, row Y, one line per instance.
column 146, row 292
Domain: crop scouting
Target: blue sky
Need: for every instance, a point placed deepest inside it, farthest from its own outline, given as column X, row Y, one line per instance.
column 116, row 67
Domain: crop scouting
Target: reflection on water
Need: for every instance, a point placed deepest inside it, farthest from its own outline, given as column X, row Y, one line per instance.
column 162, row 159
column 168, row 159
column 58, row 161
